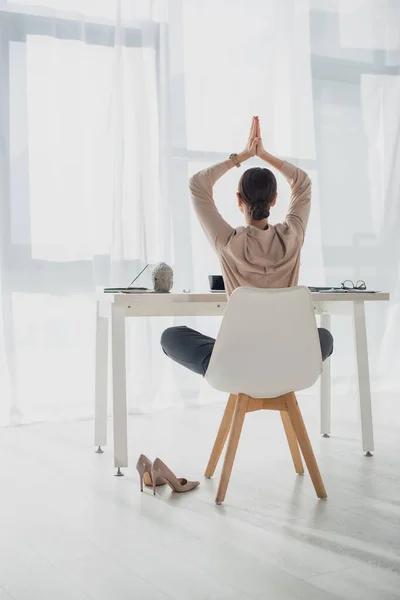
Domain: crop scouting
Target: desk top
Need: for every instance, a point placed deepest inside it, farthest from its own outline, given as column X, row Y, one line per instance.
column 220, row 298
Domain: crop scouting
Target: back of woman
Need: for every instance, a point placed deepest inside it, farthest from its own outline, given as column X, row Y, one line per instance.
column 256, row 255
column 259, row 254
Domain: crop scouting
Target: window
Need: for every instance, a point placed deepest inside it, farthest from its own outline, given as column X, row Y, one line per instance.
column 67, row 128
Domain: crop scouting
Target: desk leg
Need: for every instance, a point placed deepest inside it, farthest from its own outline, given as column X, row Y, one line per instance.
column 325, row 389
column 364, row 391
column 101, row 369
column 119, row 388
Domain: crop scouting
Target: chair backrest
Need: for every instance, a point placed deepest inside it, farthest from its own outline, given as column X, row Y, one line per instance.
column 267, row 345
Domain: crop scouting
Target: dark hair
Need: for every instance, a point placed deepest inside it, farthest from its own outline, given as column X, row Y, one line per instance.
column 257, row 189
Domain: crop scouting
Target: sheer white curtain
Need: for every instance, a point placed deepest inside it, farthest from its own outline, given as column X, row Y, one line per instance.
column 107, row 107
column 83, row 197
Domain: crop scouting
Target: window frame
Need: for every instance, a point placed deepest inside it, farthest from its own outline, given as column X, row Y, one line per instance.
column 17, row 265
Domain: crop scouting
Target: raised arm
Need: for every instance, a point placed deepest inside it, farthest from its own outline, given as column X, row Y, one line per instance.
column 201, row 185
column 300, row 199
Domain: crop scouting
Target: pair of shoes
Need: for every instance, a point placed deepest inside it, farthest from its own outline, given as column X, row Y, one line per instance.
column 157, row 473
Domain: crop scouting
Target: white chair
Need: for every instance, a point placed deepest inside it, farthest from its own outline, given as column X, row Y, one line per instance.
column 267, row 348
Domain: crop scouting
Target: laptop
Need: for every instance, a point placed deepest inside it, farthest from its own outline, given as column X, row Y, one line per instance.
column 129, row 289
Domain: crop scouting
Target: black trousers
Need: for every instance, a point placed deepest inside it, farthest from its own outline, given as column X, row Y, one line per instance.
column 193, row 350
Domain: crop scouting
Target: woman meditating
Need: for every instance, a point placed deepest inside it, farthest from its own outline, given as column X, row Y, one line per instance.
column 258, row 255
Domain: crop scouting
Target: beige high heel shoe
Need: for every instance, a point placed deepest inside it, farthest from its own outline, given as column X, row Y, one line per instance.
column 143, row 467
column 161, row 471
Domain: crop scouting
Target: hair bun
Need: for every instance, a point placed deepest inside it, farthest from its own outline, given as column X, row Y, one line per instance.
column 260, row 211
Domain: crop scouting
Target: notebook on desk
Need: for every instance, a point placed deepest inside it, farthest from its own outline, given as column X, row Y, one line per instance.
column 340, row 290
column 216, row 283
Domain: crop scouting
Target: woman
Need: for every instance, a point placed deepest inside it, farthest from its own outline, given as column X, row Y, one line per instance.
column 259, row 255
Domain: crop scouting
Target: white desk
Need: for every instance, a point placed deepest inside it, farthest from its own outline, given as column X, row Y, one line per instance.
column 114, row 308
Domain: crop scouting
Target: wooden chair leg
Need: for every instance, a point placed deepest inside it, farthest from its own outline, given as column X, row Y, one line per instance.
column 236, row 429
column 222, row 435
column 305, row 445
column 292, row 441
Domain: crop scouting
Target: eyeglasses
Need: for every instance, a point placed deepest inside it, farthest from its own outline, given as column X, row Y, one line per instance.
column 350, row 285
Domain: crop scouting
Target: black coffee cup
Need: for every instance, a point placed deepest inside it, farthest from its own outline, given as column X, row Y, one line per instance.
column 216, row 283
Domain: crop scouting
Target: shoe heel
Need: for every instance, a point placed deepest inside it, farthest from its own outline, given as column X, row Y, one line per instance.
column 154, row 481
column 141, row 469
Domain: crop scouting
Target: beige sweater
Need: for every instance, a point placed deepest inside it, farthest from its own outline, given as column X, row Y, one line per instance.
column 250, row 256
